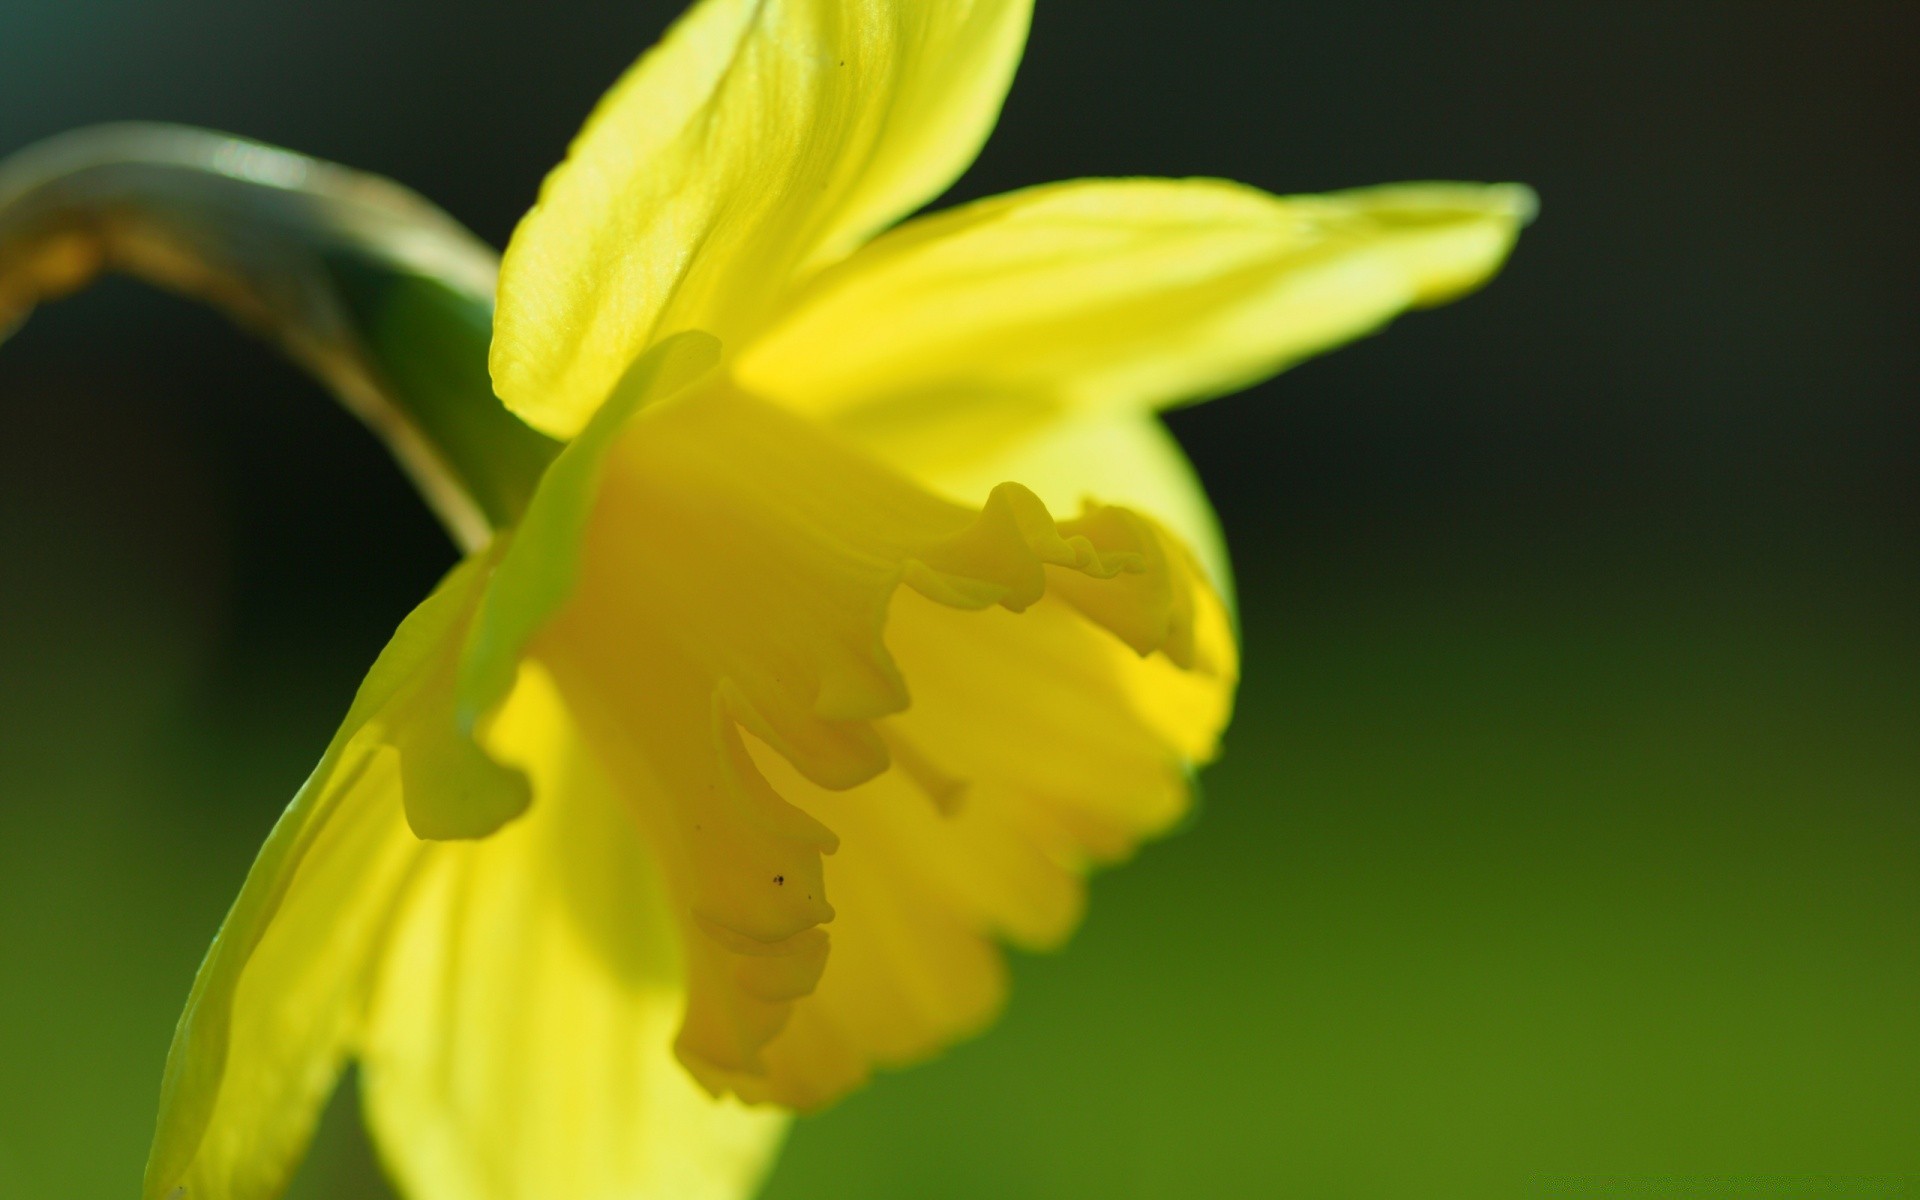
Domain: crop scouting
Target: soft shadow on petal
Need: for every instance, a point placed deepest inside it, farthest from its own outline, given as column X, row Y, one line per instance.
column 759, row 140
column 519, row 1041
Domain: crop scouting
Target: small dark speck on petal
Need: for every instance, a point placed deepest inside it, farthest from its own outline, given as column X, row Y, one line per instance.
column 780, row 881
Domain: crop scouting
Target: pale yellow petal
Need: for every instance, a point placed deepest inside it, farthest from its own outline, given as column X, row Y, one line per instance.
column 267, row 1036
column 759, row 140
column 978, row 323
column 277, row 1003
column 734, row 584
column 520, row 1039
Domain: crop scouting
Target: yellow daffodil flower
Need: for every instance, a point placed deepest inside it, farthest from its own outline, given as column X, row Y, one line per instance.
column 840, row 601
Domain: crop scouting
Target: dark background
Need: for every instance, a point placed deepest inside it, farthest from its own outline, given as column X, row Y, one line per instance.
column 1567, row 838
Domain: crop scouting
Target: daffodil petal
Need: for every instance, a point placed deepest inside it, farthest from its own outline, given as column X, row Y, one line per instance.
column 519, row 1042
column 981, row 322
column 277, row 1002
column 733, row 588
column 758, row 141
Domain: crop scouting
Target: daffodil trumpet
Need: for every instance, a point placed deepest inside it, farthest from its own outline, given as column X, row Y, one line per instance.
column 832, row 597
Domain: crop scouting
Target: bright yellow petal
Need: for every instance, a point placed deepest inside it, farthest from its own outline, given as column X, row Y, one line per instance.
column 277, row 1002
column 734, row 582
column 520, row 1039
column 759, row 140
column 977, row 323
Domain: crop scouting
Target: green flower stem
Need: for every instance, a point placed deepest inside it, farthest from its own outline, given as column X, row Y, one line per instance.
column 383, row 297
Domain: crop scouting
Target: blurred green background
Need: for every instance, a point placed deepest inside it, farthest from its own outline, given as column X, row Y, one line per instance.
column 1568, row 838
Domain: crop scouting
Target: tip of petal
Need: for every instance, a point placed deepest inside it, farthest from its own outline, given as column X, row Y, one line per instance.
column 1522, row 202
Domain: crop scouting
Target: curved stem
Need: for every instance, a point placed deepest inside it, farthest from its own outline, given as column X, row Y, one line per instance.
column 382, row 296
